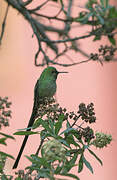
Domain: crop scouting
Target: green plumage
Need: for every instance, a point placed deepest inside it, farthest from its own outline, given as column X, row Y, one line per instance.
column 46, row 84
column 45, row 87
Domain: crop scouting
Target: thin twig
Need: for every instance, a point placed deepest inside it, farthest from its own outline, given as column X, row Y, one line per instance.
column 75, row 121
column 68, row 15
column 24, row 3
column 4, row 23
column 64, row 65
column 41, row 143
column 27, row 2
column 68, row 39
column 39, row 7
column 50, row 17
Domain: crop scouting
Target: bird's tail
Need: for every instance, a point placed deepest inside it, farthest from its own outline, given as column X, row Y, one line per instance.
column 20, row 152
column 32, row 119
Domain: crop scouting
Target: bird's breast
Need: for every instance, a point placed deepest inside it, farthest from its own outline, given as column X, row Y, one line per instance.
column 47, row 89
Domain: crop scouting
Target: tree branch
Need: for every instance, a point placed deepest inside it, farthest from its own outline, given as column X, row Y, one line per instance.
column 40, row 31
column 3, row 24
column 69, row 39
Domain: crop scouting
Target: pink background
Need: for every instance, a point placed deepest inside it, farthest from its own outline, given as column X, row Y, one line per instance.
column 89, row 82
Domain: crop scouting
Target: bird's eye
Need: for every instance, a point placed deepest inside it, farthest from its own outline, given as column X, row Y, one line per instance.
column 53, row 71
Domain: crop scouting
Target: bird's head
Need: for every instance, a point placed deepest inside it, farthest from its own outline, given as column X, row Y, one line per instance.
column 50, row 72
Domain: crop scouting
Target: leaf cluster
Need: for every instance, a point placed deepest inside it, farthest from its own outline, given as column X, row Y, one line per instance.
column 105, row 54
column 65, row 137
column 102, row 17
column 5, row 114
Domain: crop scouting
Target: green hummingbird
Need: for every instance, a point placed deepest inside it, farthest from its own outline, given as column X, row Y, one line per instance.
column 45, row 87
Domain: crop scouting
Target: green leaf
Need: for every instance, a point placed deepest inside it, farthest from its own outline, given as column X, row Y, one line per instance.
column 66, row 130
column 95, row 156
column 70, row 164
column 5, row 154
column 67, row 167
column 70, row 175
column 112, row 40
column 2, row 141
column 63, row 141
column 74, row 158
column 33, row 161
column 58, row 124
column 70, row 139
column 97, row 37
column 84, row 20
column 72, row 151
column 77, row 136
column 112, row 13
column 85, row 147
column 7, row 136
column 87, row 164
column 18, row 178
column 68, row 124
column 44, row 173
column 80, row 165
column 25, row 133
column 4, row 177
column 51, row 124
column 25, row 129
column 58, row 169
column 102, row 3
column 100, row 19
column 38, row 160
column 106, row 3
column 36, row 124
column 46, row 135
column 45, row 125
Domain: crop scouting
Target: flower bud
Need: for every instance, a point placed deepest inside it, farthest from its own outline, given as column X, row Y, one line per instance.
column 102, row 140
column 53, row 150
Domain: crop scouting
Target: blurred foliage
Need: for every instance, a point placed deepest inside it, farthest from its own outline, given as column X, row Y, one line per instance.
column 102, row 17
column 105, row 54
column 5, row 114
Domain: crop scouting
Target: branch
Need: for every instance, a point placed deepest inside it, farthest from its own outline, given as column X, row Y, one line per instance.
column 37, row 28
column 39, row 7
column 4, row 23
column 24, row 3
column 68, row 15
column 69, row 39
column 64, row 65
column 51, row 17
column 40, row 29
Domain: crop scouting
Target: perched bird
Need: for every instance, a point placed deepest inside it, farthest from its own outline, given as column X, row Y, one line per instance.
column 45, row 87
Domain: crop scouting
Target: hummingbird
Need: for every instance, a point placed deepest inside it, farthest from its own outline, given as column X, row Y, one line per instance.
column 45, row 87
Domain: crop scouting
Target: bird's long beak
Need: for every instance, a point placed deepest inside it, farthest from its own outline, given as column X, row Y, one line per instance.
column 62, row 72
